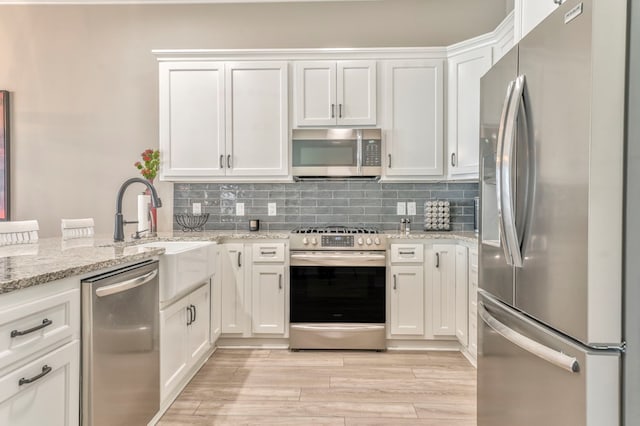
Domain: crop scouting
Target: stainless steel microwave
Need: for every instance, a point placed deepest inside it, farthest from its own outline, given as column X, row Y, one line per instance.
column 336, row 152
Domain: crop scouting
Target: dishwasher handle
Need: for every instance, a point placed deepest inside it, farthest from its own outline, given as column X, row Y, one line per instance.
column 126, row 285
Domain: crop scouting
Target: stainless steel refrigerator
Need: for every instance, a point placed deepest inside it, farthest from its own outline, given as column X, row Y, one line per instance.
column 552, row 230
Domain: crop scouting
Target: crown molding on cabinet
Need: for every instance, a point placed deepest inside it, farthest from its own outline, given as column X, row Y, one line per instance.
column 482, row 40
column 93, row 2
column 299, row 54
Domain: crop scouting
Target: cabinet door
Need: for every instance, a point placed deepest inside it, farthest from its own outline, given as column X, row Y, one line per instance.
column 473, row 302
column 257, row 112
column 462, row 301
column 444, row 291
column 200, row 304
column 315, row 93
column 407, row 300
column 216, row 298
column 414, row 118
column 174, row 359
column 529, row 13
column 268, row 299
column 192, row 128
column 53, row 399
column 463, row 116
column 233, row 314
column 356, row 93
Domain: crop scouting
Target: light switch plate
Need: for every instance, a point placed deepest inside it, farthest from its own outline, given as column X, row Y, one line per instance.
column 239, row 209
column 271, row 209
column 196, row 208
column 411, row 208
column 401, row 209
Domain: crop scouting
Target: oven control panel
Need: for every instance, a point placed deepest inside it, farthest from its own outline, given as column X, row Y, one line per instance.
column 337, row 241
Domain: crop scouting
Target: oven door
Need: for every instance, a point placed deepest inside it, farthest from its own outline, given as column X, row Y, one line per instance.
column 337, row 287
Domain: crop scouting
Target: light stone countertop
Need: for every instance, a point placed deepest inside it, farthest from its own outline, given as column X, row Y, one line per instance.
column 51, row 259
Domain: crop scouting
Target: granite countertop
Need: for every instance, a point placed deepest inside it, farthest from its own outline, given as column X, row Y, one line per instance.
column 51, row 259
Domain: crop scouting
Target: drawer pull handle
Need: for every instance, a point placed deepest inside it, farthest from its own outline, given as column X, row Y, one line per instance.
column 45, row 370
column 263, row 253
column 239, row 259
column 437, row 260
column 279, row 281
column 189, row 315
column 412, row 253
column 395, row 282
column 45, row 323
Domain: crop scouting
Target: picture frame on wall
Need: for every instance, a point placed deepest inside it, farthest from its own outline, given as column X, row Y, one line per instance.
column 4, row 155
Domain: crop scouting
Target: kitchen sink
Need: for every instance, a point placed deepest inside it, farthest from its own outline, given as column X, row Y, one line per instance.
column 184, row 265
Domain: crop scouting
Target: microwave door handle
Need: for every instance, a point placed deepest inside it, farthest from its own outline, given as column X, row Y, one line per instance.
column 507, row 176
column 499, row 170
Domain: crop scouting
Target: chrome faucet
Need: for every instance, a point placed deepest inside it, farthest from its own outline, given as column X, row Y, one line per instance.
column 118, row 234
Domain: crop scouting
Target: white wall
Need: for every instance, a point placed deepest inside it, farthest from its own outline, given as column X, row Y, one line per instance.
column 84, row 82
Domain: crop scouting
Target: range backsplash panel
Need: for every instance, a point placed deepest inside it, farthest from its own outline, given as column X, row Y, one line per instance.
column 307, row 203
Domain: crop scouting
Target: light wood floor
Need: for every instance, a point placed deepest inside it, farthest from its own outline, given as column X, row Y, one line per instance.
column 269, row 387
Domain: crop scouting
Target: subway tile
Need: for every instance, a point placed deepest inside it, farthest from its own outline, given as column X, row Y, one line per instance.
column 315, row 210
column 316, row 194
column 348, row 194
column 365, row 202
column 334, row 202
column 348, row 210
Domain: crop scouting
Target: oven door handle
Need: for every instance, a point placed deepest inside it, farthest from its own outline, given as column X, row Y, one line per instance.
column 341, row 259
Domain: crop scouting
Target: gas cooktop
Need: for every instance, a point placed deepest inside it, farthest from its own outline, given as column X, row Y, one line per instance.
column 335, row 229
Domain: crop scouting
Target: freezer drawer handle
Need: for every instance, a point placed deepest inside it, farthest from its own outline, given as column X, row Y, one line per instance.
column 126, row 285
column 45, row 370
column 552, row 356
column 45, row 323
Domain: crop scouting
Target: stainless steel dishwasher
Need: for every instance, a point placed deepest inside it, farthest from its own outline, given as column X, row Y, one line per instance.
column 120, row 346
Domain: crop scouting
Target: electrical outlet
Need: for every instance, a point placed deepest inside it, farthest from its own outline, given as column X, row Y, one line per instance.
column 239, row 209
column 411, row 208
column 401, row 209
column 271, row 209
column 196, row 208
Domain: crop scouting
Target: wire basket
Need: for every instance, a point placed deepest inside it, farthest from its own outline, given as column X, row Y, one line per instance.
column 192, row 222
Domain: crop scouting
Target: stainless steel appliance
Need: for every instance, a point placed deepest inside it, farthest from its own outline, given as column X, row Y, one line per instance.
column 551, row 339
column 120, row 346
column 337, row 281
column 336, row 152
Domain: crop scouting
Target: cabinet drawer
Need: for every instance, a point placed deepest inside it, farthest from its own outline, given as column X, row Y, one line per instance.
column 268, row 252
column 32, row 326
column 407, row 253
column 49, row 393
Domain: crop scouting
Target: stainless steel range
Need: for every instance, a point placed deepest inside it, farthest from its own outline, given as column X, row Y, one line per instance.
column 337, row 288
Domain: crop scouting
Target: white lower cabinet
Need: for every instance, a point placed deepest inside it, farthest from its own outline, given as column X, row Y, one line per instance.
column 234, row 316
column 216, row 297
column 44, row 391
column 444, row 291
column 462, row 301
column 267, row 304
column 184, row 338
column 40, row 355
column 406, row 316
column 473, row 303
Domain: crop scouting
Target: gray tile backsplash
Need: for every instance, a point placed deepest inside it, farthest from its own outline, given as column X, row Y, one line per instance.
column 308, row 203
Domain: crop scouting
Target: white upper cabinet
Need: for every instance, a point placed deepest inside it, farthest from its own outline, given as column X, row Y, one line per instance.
column 463, row 115
column 257, row 131
column 192, row 130
column 529, row 13
column 223, row 120
column 504, row 38
column 329, row 93
column 414, row 118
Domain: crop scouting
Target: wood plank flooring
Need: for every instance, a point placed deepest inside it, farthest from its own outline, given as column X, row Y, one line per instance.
column 278, row 387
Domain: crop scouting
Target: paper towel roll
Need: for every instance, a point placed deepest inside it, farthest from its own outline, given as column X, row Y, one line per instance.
column 143, row 212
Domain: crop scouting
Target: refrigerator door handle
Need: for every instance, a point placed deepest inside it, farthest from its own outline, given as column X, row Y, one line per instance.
column 543, row 352
column 506, row 176
column 499, row 169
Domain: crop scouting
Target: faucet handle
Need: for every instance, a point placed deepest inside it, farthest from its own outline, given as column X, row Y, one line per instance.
column 138, row 234
column 129, row 222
